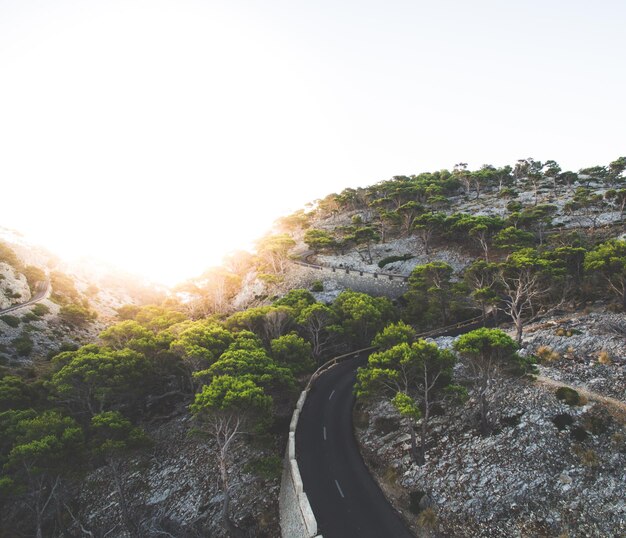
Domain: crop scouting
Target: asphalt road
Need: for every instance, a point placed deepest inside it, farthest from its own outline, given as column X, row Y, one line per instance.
column 345, row 499
column 42, row 291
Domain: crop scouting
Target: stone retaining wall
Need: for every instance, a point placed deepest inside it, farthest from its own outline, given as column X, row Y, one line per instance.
column 376, row 284
column 296, row 516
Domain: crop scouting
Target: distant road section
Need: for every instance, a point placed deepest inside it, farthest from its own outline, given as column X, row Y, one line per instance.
column 345, row 499
column 43, row 289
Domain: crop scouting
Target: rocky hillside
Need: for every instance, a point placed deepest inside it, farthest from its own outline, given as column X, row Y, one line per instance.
column 552, row 467
column 82, row 300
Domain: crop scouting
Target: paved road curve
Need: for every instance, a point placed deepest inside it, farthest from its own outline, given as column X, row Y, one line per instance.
column 345, row 499
column 40, row 294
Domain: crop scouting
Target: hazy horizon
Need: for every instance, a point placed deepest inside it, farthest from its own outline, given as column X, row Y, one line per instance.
column 159, row 135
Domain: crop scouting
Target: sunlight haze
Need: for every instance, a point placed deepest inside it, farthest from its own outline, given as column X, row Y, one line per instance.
column 160, row 135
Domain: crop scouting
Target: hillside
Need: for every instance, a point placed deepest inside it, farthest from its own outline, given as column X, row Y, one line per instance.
column 83, row 299
column 176, row 410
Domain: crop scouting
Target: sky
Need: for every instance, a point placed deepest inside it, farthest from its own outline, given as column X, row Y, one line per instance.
column 160, row 135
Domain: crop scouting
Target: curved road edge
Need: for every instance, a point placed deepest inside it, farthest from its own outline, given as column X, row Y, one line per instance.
column 42, row 293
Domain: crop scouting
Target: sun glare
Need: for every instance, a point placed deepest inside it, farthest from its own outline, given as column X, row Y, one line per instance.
column 160, row 134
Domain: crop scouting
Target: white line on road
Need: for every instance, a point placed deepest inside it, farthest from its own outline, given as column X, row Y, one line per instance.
column 331, row 394
column 324, row 433
column 339, row 488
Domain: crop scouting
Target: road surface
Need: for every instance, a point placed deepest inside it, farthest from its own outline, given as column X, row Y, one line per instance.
column 345, row 499
column 40, row 295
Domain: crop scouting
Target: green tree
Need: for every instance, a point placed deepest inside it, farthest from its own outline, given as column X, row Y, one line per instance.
column 320, row 240
column 294, row 352
column 297, row 300
column 200, row 345
column 481, row 277
column 113, row 440
column 607, row 262
column 320, row 324
column 224, row 410
column 426, row 226
column 489, row 354
column 513, row 239
column 362, row 315
column 254, row 364
column 129, row 334
column 525, row 279
column 431, row 292
column 273, row 252
column 417, row 377
column 42, row 450
column 394, row 334
column 95, row 379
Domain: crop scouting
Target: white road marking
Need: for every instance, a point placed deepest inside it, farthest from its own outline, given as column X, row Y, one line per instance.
column 324, row 433
column 331, row 394
column 339, row 488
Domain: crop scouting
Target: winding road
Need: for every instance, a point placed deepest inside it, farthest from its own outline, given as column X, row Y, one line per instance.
column 345, row 499
column 41, row 294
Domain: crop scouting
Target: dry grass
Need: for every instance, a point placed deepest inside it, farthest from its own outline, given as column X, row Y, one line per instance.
column 547, row 354
column 604, row 357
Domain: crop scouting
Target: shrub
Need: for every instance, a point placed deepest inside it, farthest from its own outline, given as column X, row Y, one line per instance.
column 40, row 310
column 569, row 396
column 268, row 467
column 317, row 286
column 11, row 321
column 547, row 354
column 428, row 519
column 23, row 345
column 579, row 434
column 604, row 357
column 76, row 315
column 562, row 421
column 508, row 192
column 28, row 317
column 589, row 458
column 415, row 498
column 391, row 259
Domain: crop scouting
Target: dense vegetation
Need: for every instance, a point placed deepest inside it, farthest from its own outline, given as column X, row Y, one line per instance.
column 234, row 374
column 238, row 372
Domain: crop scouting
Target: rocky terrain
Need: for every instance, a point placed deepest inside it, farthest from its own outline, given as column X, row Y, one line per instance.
column 99, row 288
column 549, row 468
column 175, row 489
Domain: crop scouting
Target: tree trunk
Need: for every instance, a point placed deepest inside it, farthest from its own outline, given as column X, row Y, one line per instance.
column 128, row 522
column 423, row 433
column 414, row 451
column 485, row 427
column 518, row 330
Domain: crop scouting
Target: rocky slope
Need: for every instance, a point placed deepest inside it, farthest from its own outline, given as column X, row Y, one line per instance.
column 549, row 469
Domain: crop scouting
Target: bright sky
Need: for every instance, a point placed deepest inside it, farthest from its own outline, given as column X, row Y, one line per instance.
column 160, row 135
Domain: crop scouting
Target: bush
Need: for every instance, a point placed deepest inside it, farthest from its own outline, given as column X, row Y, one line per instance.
column 589, row 458
column 23, row 345
column 391, row 259
column 569, row 396
column 317, row 286
column 28, row 317
column 428, row 519
column 268, row 467
column 604, row 357
column 40, row 310
column 547, row 354
column 566, row 332
column 414, row 501
column 11, row 321
column 562, row 421
column 76, row 315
